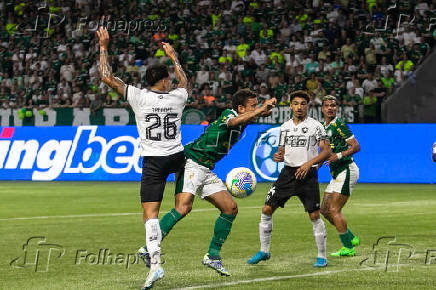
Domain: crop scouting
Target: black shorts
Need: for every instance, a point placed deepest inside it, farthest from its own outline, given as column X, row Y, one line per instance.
column 287, row 185
column 155, row 171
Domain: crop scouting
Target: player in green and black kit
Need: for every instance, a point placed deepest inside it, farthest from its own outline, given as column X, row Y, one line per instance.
column 344, row 174
column 198, row 178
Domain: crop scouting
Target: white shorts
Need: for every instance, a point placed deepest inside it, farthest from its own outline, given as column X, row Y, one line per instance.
column 200, row 180
column 345, row 180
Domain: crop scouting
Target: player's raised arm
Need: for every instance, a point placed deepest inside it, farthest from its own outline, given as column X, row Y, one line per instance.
column 105, row 70
column 180, row 74
column 264, row 110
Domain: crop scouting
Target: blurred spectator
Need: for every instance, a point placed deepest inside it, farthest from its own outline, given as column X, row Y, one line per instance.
column 385, row 68
column 285, row 100
column 369, row 83
column 258, row 56
column 388, row 82
column 312, row 83
column 318, row 94
column 202, row 76
column 77, row 95
column 370, row 55
column 287, row 45
column 405, row 64
column 263, row 95
column 370, row 107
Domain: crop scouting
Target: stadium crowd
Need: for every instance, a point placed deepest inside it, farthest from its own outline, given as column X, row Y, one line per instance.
column 355, row 50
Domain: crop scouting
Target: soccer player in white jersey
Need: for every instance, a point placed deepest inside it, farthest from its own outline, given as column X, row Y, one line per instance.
column 434, row 152
column 158, row 111
column 300, row 139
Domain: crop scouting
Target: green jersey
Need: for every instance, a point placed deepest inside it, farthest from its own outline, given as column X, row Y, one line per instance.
column 338, row 133
column 215, row 142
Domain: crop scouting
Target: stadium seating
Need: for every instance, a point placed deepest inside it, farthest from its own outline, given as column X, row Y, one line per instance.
column 359, row 51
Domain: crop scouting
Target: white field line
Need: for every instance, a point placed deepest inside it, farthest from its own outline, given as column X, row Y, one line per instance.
column 225, row 284
column 278, row 278
column 104, row 214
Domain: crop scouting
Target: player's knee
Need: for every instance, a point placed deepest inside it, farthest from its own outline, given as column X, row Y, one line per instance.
column 231, row 209
column 267, row 210
column 184, row 209
column 235, row 210
column 314, row 215
column 334, row 210
column 325, row 212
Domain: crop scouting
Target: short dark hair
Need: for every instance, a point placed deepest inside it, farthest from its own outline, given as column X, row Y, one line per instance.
column 241, row 97
column 329, row 98
column 156, row 73
column 300, row 94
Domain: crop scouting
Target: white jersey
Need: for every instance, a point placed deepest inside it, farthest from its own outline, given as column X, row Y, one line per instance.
column 158, row 118
column 301, row 141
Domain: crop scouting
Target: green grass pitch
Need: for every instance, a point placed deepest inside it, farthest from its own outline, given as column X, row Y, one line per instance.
column 80, row 218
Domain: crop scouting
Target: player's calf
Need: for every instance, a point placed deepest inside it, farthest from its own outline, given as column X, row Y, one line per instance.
column 326, row 214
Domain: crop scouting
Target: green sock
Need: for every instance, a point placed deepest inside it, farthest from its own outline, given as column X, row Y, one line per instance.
column 223, row 225
column 168, row 221
column 350, row 234
column 346, row 241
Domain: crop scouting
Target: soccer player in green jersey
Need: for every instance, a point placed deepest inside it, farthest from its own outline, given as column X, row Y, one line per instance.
column 198, row 178
column 344, row 174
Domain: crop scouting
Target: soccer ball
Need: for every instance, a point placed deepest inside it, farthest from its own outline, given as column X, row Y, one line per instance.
column 241, row 182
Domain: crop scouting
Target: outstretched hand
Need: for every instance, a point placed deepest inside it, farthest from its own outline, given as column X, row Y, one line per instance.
column 169, row 50
column 103, row 36
column 267, row 107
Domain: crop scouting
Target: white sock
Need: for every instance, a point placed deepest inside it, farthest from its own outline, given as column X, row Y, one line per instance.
column 153, row 237
column 320, row 237
column 265, row 229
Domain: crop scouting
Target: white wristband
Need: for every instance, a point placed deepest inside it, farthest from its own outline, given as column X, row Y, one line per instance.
column 339, row 155
column 434, row 148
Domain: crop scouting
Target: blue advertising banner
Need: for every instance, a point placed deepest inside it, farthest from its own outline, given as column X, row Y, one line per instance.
column 390, row 153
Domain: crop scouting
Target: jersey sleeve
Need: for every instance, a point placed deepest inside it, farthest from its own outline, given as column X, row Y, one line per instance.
column 133, row 96
column 320, row 133
column 226, row 116
column 282, row 136
column 344, row 131
column 182, row 92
